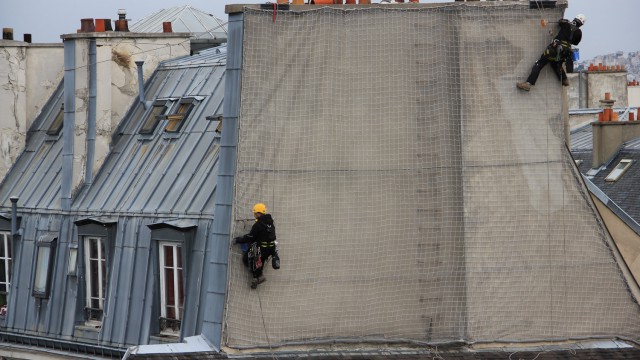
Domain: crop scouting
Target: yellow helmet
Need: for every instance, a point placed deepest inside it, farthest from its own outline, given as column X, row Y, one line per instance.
column 260, row 208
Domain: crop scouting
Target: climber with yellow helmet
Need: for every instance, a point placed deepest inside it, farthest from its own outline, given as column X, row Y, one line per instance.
column 262, row 244
column 558, row 52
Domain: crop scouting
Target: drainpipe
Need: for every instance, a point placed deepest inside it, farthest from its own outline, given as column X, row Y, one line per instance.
column 14, row 215
column 580, row 88
column 68, row 123
column 139, row 63
column 91, row 121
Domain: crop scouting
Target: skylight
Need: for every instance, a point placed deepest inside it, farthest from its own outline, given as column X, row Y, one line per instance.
column 159, row 108
column 619, row 170
column 56, row 126
column 177, row 118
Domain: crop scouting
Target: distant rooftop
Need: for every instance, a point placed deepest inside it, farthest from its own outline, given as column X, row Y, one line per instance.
column 204, row 27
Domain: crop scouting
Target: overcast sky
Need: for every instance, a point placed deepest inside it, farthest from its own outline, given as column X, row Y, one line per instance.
column 612, row 25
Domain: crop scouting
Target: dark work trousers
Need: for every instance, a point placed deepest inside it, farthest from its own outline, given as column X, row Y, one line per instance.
column 265, row 252
column 555, row 65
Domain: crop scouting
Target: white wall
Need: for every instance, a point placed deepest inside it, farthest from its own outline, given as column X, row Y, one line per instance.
column 29, row 73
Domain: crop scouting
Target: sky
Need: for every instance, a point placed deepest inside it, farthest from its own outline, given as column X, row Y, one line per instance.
column 612, row 25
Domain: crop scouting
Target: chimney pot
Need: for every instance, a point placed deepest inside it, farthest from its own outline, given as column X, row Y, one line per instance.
column 107, row 25
column 7, row 33
column 86, row 25
column 100, row 25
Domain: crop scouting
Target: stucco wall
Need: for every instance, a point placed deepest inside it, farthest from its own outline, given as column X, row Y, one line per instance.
column 45, row 69
column 600, row 83
column 634, row 95
column 29, row 74
column 627, row 241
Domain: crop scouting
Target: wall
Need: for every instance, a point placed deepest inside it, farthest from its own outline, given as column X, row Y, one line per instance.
column 586, row 89
column 627, row 240
column 603, row 82
column 29, row 74
column 634, row 95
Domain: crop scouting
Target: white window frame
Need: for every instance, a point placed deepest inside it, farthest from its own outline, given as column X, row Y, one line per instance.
column 619, row 170
column 101, row 272
column 177, row 280
column 6, row 260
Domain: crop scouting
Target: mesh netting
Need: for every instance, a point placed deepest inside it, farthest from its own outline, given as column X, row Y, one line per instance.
column 418, row 196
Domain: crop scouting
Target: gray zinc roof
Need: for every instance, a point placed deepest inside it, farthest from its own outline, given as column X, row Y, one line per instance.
column 184, row 19
column 35, row 177
column 166, row 173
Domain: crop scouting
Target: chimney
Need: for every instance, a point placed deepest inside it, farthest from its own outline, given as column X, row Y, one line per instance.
column 166, row 27
column 609, row 134
column 7, row 33
column 27, row 38
column 121, row 23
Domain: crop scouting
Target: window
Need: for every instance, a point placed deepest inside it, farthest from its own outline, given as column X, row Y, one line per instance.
column 5, row 269
column 171, row 287
column 44, row 264
column 176, row 119
column 155, row 115
column 56, row 126
column 96, row 277
column 619, row 170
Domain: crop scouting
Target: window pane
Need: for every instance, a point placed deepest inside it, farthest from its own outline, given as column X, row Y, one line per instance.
column 56, row 126
column 42, row 266
column 179, row 256
column 3, row 243
column 180, row 289
column 93, row 248
column 93, row 273
column 152, row 121
column 168, row 256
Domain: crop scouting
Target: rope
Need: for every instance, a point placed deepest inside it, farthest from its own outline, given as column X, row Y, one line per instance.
column 264, row 326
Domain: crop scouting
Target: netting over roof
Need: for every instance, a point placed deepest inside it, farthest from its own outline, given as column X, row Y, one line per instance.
column 418, row 195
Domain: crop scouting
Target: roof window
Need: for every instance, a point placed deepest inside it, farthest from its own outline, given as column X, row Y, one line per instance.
column 180, row 113
column 154, row 117
column 56, row 126
column 619, row 170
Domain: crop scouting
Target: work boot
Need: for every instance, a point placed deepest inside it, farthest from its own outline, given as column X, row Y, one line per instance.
column 254, row 283
column 275, row 262
column 261, row 279
column 565, row 82
column 523, row 86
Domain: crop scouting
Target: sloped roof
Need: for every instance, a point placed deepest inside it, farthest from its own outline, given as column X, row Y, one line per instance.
column 625, row 192
column 166, row 173
column 184, row 19
column 36, row 176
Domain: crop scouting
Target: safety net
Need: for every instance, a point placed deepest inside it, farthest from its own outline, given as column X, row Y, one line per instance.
column 418, row 195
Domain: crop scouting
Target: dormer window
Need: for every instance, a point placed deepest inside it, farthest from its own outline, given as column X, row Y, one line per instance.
column 619, row 170
column 181, row 113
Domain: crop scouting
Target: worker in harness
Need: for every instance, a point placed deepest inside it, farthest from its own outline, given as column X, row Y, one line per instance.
column 262, row 244
column 558, row 52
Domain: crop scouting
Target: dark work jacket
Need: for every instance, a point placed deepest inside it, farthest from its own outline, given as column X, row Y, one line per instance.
column 560, row 49
column 263, row 232
column 569, row 33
